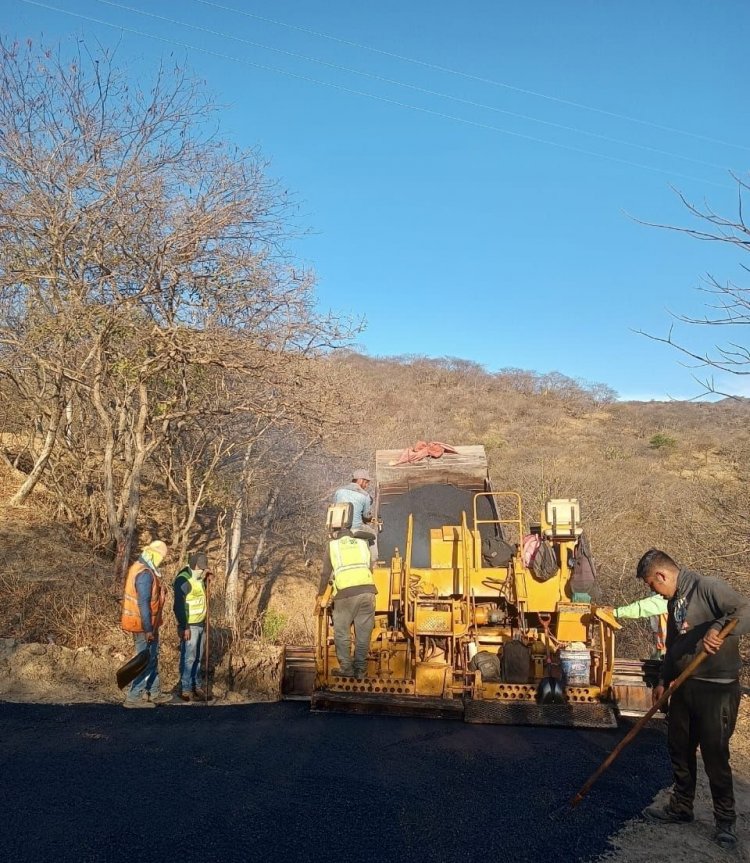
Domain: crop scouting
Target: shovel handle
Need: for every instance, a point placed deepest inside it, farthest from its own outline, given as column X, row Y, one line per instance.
column 675, row 684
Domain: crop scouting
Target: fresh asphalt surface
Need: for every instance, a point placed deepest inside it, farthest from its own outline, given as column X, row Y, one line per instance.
column 273, row 782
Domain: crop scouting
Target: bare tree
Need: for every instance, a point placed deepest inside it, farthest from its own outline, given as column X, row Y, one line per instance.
column 141, row 255
column 727, row 304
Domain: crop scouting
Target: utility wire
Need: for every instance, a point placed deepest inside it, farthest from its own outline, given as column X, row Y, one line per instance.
column 437, row 67
column 409, row 86
column 384, row 99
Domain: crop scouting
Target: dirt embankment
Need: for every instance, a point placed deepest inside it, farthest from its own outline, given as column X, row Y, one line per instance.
column 49, row 673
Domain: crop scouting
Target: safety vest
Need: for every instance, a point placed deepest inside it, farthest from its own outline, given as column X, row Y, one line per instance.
column 131, row 614
column 659, row 627
column 195, row 598
column 350, row 559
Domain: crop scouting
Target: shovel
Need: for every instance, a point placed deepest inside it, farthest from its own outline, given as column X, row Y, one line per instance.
column 550, row 689
column 677, row 682
column 128, row 672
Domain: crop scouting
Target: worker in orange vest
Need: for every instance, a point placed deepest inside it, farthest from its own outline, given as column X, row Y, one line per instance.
column 142, row 605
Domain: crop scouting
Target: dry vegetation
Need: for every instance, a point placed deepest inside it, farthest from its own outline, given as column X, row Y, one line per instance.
column 164, row 372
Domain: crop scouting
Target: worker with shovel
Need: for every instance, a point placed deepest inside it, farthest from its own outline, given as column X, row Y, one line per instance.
column 142, row 605
column 703, row 711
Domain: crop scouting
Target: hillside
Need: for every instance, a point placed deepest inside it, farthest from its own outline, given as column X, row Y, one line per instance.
column 668, row 474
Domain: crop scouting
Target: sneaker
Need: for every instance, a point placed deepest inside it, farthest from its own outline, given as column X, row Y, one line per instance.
column 137, row 703
column 725, row 836
column 360, row 673
column 159, row 698
column 666, row 815
column 342, row 672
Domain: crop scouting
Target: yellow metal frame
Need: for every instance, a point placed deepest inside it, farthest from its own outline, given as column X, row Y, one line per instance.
column 437, row 609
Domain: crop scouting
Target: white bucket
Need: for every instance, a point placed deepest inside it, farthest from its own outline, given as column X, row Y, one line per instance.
column 576, row 667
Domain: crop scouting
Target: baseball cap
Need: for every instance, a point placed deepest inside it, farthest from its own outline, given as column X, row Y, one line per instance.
column 197, row 560
column 361, row 473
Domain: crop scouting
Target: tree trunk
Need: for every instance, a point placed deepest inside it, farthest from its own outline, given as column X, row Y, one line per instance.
column 41, row 462
column 265, row 526
column 232, row 592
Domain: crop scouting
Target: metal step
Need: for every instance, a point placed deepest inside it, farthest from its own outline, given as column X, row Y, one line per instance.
column 298, row 673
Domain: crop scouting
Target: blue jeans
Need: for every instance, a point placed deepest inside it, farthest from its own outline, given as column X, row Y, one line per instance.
column 190, row 659
column 148, row 679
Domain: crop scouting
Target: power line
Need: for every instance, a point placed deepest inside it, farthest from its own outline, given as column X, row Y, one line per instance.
column 424, row 90
column 495, row 83
column 384, row 99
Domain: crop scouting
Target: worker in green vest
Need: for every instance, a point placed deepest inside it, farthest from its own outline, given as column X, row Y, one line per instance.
column 347, row 567
column 655, row 608
column 190, row 609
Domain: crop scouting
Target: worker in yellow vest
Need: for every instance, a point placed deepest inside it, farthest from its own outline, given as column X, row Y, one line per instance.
column 346, row 567
column 190, row 608
column 655, row 608
column 142, row 604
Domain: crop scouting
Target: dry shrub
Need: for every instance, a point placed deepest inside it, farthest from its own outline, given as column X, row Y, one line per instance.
column 71, row 611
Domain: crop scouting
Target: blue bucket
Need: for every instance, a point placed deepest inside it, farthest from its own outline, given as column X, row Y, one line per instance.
column 576, row 667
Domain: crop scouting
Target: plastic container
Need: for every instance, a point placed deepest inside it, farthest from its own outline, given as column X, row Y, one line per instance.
column 576, row 666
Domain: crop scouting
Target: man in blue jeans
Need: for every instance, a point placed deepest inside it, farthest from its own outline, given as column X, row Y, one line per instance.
column 190, row 608
column 142, row 605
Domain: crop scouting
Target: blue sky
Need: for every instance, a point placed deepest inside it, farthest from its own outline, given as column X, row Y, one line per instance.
column 455, row 225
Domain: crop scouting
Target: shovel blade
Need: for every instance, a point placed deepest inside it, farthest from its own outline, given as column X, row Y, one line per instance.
column 128, row 672
column 550, row 691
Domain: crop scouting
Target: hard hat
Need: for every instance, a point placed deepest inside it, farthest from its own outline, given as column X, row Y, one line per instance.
column 157, row 547
column 361, row 473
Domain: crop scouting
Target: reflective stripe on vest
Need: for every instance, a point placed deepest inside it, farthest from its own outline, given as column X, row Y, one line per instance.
column 660, row 633
column 350, row 559
column 195, row 599
column 130, row 620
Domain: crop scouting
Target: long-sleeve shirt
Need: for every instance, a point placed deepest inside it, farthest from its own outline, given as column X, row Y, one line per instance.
column 360, row 501
column 699, row 604
column 143, row 592
column 649, row 606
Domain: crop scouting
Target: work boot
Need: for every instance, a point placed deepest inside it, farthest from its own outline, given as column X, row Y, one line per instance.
column 666, row 815
column 184, row 696
column 360, row 673
column 159, row 698
column 137, row 703
column 342, row 672
column 201, row 695
column 725, row 836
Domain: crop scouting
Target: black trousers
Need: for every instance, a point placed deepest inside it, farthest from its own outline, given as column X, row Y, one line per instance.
column 703, row 714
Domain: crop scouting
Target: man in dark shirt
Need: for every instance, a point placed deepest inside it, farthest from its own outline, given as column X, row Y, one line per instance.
column 703, row 711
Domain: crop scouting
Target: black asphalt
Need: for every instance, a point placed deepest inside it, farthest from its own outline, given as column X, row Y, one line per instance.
column 272, row 782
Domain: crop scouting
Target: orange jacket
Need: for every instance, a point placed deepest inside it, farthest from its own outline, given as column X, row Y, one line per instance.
column 131, row 615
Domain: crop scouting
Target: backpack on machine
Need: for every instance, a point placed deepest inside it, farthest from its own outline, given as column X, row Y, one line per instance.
column 540, row 557
column 488, row 665
column 516, row 661
column 496, row 551
column 583, row 579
